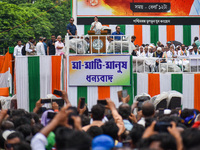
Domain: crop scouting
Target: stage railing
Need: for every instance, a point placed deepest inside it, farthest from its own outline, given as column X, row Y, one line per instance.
column 179, row 64
column 85, row 44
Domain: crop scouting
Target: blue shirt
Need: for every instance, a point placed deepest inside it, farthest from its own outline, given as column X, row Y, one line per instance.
column 117, row 37
column 71, row 28
column 45, row 47
column 128, row 125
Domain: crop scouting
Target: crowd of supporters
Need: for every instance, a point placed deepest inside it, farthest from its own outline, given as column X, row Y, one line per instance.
column 105, row 127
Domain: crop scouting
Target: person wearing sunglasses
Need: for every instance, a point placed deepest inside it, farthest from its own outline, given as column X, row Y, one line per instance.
column 117, row 32
column 71, row 28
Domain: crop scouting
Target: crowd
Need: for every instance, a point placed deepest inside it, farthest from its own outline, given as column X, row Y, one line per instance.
column 104, row 128
column 170, row 50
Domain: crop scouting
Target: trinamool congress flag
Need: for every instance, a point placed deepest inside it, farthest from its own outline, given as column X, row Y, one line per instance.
column 5, row 74
column 37, row 76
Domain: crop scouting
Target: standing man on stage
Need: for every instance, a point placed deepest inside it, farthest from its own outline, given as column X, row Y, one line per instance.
column 71, row 28
column 51, row 46
column 18, row 49
column 117, row 32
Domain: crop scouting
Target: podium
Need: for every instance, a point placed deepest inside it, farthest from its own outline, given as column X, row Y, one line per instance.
column 97, row 44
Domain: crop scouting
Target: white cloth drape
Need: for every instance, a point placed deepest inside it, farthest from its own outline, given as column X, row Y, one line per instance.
column 142, row 83
column 162, row 34
column 165, row 82
column 22, row 83
column 45, row 76
column 188, row 91
column 92, row 96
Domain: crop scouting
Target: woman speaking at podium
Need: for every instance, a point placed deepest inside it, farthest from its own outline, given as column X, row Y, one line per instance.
column 96, row 25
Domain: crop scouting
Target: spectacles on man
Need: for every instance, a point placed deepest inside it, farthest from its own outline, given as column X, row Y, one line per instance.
column 118, row 28
column 71, row 20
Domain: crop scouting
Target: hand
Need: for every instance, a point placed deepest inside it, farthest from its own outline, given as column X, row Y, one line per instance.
column 133, row 118
column 110, row 104
column 65, row 97
column 38, row 105
column 82, row 110
column 139, row 115
column 134, row 105
column 176, row 134
column 62, row 117
column 173, row 130
column 77, row 123
column 149, row 131
column 55, row 106
column 3, row 114
column 33, row 50
column 125, row 99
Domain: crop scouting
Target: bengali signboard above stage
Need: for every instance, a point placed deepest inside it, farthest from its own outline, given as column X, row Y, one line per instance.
column 103, row 70
column 160, row 12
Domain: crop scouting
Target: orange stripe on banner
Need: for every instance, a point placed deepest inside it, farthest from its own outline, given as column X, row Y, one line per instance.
column 170, row 32
column 4, row 91
column 153, row 84
column 106, row 25
column 196, row 91
column 6, row 63
column 138, row 34
column 56, row 67
column 103, row 92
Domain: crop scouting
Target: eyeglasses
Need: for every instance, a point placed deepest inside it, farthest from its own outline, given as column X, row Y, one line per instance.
column 71, row 20
column 118, row 28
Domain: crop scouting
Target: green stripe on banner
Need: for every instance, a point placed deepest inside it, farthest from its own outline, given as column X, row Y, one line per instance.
column 34, row 81
column 135, row 83
column 154, row 33
column 123, row 28
column 86, row 29
column 82, row 92
column 130, row 88
column 187, row 35
column 177, row 82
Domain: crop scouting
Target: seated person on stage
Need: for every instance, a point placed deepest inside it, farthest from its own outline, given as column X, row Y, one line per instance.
column 183, row 51
column 117, row 32
column 71, row 28
column 96, row 25
column 196, row 51
column 171, row 53
column 158, row 53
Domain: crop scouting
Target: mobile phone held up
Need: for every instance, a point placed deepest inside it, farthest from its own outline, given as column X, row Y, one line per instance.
column 82, row 103
column 162, row 126
column 57, row 92
column 102, row 102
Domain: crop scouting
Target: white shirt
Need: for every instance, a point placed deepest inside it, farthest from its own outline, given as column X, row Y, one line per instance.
column 169, row 54
column 40, row 48
column 98, row 26
column 59, row 44
column 179, row 53
column 18, row 50
column 142, row 121
column 38, row 142
column 28, row 48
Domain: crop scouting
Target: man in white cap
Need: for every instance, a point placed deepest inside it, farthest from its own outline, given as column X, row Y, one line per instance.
column 158, row 53
column 191, row 52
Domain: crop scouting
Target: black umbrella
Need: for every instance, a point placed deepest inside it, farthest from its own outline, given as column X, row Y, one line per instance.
column 176, row 43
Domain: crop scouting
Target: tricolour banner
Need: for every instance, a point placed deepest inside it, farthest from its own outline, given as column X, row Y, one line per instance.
column 104, row 70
